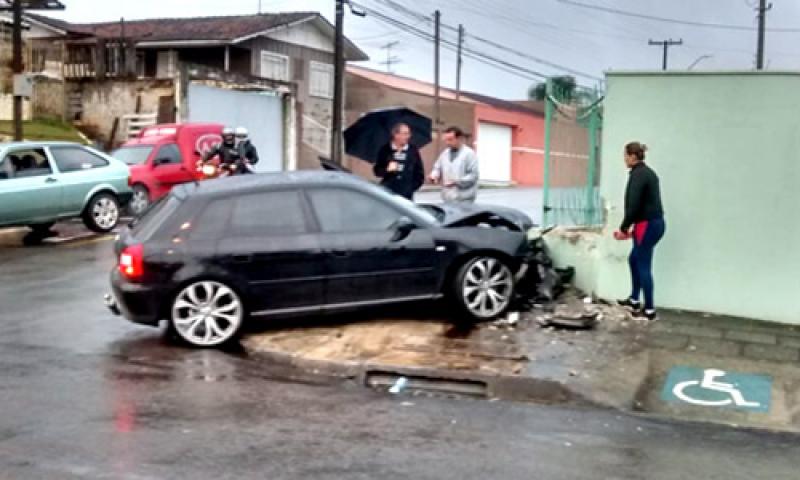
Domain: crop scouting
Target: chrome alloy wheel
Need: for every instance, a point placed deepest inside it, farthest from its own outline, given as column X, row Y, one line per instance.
column 487, row 287
column 207, row 314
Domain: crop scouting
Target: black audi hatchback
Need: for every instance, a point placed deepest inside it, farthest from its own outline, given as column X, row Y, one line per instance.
column 211, row 256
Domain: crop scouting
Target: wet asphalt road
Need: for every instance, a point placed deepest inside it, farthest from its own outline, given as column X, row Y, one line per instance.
column 85, row 395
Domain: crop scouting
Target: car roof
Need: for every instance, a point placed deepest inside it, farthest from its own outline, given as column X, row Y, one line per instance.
column 266, row 181
column 8, row 145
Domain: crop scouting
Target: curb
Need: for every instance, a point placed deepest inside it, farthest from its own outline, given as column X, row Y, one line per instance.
column 501, row 387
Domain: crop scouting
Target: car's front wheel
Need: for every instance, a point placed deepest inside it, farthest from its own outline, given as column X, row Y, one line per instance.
column 484, row 288
column 207, row 314
column 140, row 201
column 102, row 213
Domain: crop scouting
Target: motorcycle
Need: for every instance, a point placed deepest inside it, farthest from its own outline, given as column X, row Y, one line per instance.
column 209, row 170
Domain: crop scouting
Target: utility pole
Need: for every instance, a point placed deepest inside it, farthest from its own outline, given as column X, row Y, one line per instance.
column 459, row 60
column 437, row 98
column 17, row 66
column 390, row 59
column 665, row 44
column 338, row 86
column 763, row 8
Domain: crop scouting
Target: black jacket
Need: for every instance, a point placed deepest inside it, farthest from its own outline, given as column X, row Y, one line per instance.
column 233, row 155
column 411, row 175
column 642, row 197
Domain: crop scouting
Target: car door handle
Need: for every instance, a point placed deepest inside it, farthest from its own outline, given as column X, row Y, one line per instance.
column 242, row 258
column 50, row 180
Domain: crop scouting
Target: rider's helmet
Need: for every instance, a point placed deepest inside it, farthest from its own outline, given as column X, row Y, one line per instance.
column 242, row 134
column 228, row 135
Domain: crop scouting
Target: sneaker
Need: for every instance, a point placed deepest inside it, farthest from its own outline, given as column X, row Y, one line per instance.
column 630, row 304
column 650, row 315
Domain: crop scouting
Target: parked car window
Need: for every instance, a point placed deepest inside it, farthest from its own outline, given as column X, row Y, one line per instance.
column 137, row 155
column 169, row 154
column 25, row 163
column 213, row 220
column 76, row 159
column 341, row 210
column 270, row 213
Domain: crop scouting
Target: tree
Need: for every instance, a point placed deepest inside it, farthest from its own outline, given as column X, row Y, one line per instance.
column 564, row 88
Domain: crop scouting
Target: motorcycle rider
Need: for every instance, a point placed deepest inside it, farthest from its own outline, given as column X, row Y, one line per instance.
column 246, row 150
column 225, row 150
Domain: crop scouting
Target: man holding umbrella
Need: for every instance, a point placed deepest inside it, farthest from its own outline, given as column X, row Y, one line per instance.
column 391, row 138
column 399, row 164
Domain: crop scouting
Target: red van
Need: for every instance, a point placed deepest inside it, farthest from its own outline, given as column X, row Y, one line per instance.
column 163, row 156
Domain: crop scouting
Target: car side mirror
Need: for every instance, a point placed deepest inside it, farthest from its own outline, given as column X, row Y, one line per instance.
column 402, row 228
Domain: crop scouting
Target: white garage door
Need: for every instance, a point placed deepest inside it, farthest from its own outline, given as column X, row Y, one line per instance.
column 494, row 152
column 260, row 112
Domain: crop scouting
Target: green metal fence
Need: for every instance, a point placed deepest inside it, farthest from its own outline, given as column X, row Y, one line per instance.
column 573, row 122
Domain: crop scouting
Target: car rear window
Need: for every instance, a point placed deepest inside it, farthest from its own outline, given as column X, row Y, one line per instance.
column 146, row 226
column 133, row 155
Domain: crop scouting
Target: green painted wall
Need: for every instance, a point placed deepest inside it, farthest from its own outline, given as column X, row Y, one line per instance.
column 727, row 149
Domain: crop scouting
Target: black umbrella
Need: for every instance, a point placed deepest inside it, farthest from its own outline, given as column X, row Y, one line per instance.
column 373, row 131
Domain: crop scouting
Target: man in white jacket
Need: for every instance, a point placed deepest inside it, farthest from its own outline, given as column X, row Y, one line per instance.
column 457, row 169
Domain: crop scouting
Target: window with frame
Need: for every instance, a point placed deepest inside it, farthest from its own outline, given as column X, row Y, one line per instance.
column 29, row 162
column 269, row 213
column 75, row 159
column 275, row 66
column 340, row 210
column 169, row 154
column 320, row 82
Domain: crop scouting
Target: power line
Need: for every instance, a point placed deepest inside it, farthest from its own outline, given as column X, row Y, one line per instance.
column 451, row 46
column 691, row 23
column 390, row 59
column 418, row 16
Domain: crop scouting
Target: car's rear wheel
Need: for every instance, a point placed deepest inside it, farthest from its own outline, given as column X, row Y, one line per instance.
column 207, row 314
column 484, row 288
column 140, row 201
column 102, row 213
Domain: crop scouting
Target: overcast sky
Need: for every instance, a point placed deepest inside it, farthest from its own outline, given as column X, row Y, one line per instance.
column 581, row 39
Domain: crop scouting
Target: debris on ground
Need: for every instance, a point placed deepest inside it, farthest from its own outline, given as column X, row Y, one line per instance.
column 399, row 385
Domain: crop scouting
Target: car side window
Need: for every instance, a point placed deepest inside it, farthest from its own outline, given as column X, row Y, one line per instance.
column 76, row 159
column 341, row 210
column 30, row 162
column 169, row 154
column 269, row 213
column 212, row 221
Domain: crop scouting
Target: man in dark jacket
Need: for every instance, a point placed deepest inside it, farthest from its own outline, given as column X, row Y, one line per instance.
column 236, row 150
column 644, row 222
column 399, row 164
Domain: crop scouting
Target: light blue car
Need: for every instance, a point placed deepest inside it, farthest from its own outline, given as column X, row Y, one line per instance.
column 41, row 183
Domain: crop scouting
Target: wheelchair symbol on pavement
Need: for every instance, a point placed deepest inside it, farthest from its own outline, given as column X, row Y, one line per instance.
column 709, row 382
column 712, row 387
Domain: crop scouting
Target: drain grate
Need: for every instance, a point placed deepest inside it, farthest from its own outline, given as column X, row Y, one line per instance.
column 384, row 380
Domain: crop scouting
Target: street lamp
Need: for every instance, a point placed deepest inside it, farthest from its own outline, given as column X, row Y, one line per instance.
column 698, row 60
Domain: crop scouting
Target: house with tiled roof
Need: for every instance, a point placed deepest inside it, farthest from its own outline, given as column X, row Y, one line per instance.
column 272, row 73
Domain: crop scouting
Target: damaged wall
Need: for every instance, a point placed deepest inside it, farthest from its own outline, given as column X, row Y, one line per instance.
column 103, row 101
column 725, row 146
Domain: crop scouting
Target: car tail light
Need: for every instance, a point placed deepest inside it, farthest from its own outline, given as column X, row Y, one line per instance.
column 131, row 262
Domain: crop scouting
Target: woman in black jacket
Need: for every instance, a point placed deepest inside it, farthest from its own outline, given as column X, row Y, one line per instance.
column 399, row 164
column 644, row 222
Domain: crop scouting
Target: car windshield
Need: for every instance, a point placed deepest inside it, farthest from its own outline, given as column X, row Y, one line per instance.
column 133, row 155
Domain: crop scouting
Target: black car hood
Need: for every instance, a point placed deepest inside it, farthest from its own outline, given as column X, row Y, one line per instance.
column 470, row 215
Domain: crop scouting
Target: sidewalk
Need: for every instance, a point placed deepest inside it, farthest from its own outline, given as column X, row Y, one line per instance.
column 621, row 364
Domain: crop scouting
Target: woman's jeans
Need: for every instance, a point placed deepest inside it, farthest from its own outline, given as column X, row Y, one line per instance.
column 646, row 236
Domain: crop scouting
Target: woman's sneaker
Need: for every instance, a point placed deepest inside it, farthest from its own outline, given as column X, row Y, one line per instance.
column 630, row 304
column 650, row 315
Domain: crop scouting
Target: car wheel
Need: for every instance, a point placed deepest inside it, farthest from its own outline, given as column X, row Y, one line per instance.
column 102, row 213
column 207, row 314
column 484, row 288
column 140, row 201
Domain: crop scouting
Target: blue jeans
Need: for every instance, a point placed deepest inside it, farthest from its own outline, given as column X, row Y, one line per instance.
column 645, row 238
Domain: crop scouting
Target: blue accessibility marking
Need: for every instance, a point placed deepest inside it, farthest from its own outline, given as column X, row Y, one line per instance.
column 716, row 388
